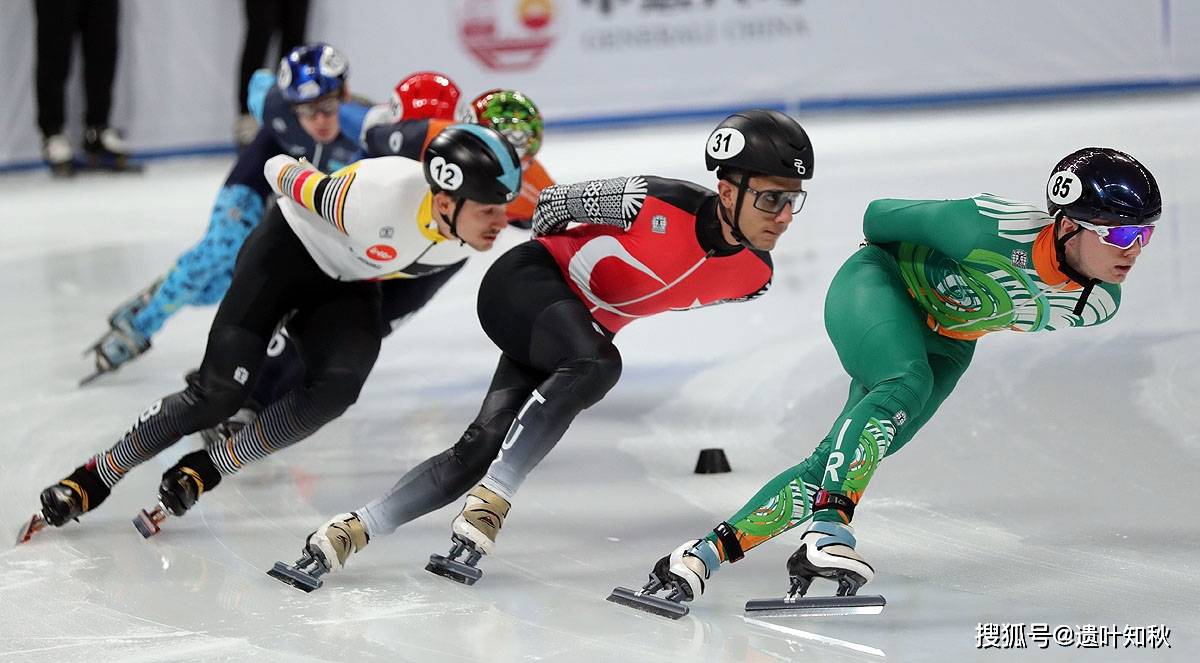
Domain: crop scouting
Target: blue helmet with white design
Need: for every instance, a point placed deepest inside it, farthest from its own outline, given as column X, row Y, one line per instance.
column 473, row 162
column 311, row 71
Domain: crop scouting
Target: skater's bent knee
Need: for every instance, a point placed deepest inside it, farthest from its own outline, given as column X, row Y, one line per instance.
column 595, row 376
column 912, row 385
column 213, row 402
column 335, row 391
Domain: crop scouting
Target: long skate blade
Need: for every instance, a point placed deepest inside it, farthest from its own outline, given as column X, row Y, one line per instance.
column 88, row 380
column 817, row 606
column 456, row 571
column 293, row 576
column 35, row 525
column 655, row 605
column 147, row 522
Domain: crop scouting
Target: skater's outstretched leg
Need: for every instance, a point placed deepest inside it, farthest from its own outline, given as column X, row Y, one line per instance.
column 236, row 212
column 445, row 477
column 219, row 388
column 341, row 342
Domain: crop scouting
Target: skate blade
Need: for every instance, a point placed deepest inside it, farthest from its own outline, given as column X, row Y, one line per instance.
column 147, row 522
column 655, row 605
column 293, row 576
column 108, row 165
column 35, row 525
column 816, row 606
column 456, row 571
column 90, row 378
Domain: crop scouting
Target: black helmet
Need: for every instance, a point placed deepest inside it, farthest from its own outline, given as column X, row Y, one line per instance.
column 1103, row 183
column 472, row 162
column 760, row 142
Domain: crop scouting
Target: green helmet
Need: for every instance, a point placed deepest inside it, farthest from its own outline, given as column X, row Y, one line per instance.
column 512, row 114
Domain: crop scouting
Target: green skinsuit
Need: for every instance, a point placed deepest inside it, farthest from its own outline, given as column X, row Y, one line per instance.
column 904, row 313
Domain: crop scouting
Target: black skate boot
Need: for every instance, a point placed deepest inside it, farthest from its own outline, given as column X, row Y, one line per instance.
column 75, row 495
column 66, row 500
column 106, row 150
column 181, row 487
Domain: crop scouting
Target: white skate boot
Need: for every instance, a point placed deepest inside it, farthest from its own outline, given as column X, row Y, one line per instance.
column 474, row 533
column 325, row 550
column 826, row 551
column 682, row 575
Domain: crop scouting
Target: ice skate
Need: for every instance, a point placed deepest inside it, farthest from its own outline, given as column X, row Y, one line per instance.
column 57, row 152
column 325, row 550
column 106, row 150
column 475, row 529
column 181, row 487
column 826, row 551
column 680, row 576
column 65, row 501
column 122, row 343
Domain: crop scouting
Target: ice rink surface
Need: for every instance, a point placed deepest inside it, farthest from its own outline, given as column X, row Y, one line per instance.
column 1072, row 501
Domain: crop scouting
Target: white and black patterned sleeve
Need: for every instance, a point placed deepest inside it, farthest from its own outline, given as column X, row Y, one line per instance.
column 611, row 202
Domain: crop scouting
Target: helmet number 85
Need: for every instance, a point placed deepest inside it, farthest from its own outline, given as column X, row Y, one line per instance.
column 1062, row 186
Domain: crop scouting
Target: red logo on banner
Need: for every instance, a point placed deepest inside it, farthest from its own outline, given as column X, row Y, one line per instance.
column 506, row 35
column 381, row 252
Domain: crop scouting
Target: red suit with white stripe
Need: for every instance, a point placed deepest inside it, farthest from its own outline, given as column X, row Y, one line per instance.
column 653, row 245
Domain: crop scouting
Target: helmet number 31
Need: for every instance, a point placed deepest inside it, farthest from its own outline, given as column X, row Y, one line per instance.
column 726, row 142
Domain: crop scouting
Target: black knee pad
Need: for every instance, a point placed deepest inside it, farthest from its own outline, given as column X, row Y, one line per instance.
column 211, row 401
column 335, row 391
column 589, row 380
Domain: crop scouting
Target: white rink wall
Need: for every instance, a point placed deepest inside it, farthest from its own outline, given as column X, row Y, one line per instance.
column 611, row 61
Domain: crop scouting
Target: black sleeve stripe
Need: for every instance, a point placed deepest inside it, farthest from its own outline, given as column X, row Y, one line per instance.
column 685, row 195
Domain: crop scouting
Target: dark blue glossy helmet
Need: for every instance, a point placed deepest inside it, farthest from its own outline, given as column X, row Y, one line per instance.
column 311, row 71
column 1103, row 183
column 473, row 162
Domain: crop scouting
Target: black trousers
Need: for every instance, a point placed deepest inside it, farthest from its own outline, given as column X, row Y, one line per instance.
column 265, row 18
column 58, row 21
column 337, row 322
column 284, row 367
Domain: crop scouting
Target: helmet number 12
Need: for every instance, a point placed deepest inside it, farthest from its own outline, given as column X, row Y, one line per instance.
column 447, row 175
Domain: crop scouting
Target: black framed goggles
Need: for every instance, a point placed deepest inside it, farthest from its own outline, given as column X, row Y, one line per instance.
column 310, row 109
column 773, row 201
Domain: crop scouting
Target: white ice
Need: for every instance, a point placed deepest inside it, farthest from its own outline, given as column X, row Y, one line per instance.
column 1057, row 485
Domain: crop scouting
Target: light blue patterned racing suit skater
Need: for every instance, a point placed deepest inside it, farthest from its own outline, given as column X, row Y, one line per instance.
column 306, row 102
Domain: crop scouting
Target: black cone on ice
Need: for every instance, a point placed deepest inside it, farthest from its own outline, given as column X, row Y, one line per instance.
column 712, row 461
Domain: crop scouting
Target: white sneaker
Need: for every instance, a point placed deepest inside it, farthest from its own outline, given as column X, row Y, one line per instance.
column 57, row 150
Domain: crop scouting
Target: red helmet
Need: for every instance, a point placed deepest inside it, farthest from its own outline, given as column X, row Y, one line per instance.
column 425, row 95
